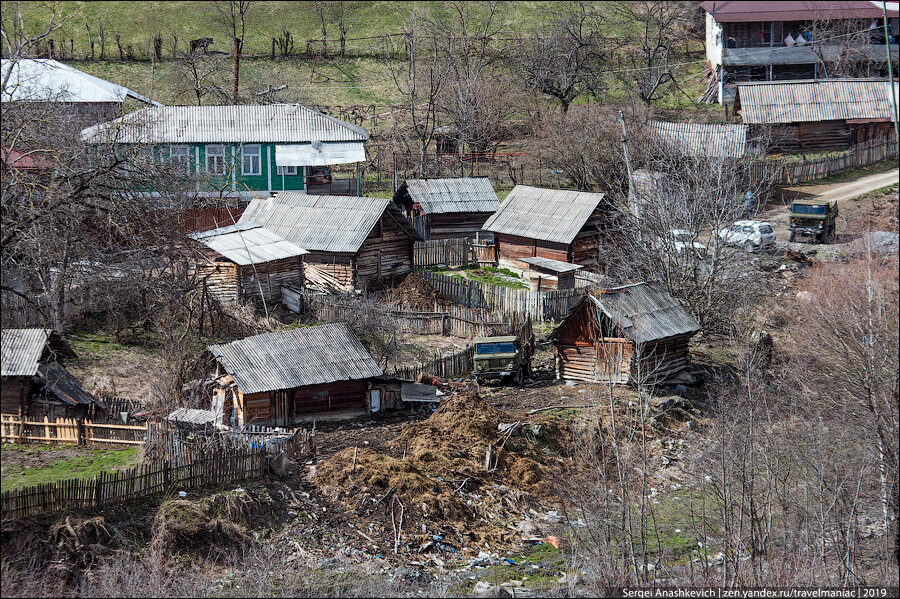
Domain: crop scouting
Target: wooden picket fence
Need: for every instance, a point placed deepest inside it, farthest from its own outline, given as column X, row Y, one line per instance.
column 539, row 305
column 69, row 430
column 168, row 442
column 785, row 172
column 455, row 320
column 118, row 486
column 453, row 253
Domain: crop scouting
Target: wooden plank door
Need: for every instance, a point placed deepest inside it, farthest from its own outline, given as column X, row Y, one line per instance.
column 612, row 360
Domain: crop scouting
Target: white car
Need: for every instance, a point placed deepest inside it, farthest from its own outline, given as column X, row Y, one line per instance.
column 679, row 241
column 752, row 235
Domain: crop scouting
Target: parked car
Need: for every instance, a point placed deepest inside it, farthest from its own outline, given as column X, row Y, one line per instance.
column 679, row 241
column 751, row 235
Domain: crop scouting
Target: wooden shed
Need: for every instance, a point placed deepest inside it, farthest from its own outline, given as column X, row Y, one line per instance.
column 34, row 383
column 353, row 242
column 630, row 334
column 248, row 261
column 278, row 379
column 818, row 115
column 448, row 208
column 548, row 223
column 545, row 273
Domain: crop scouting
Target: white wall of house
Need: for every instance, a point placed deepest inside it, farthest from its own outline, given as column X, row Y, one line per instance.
column 714, row 41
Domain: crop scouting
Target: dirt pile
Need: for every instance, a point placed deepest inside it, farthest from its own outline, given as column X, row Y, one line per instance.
column 417, row 293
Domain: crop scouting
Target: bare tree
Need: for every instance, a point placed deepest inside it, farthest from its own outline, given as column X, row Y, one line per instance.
column 19, row 40
column 232, row 16
column 648, row 67
column 323, row 10
column 564, row 58
column 843, row 47
column 199, row 77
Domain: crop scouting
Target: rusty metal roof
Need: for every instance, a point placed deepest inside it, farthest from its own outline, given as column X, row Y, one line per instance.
column 551, row 264
column 21, row 350
column 269, row 123
column 460, row 194
column 742, row 12
column 296, row 358
column 806, row 101
column 547, row 214
column 644, row 311
column 248, row 243
column 62, row 385
column 324, row 223
column 699, row 139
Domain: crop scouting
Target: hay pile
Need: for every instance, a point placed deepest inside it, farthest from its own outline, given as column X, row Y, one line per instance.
column 183, row 526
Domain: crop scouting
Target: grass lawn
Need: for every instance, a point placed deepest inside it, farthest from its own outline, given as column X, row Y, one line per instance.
column 502, row 277
column 26, row 465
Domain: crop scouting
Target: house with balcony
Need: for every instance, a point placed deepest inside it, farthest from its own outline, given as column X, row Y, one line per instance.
column 780, row 41
column 244, row 151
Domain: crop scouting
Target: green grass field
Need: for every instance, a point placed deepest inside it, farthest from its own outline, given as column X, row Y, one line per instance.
column 61, row 464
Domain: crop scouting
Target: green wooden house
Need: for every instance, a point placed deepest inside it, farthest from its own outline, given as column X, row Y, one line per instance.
column 247, row 150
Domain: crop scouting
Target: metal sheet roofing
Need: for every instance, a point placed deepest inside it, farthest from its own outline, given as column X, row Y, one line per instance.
column 269, row 123
column 546, row 214
column 738, row 12
column 810, row 101
column 20, row 351
column 248, row 243
column 460, row 194
column 698, row 139
column 62, row 385
column 46, row 80
column 192, row 416
column 323, row 223
column 551, row 264
column 296, row 358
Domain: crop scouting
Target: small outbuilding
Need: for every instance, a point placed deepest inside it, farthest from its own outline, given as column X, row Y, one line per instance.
column 247, row 260
column 631, row 334
column 353, row 242
column 547, row 274
column 35, row 383
column 548, row 223
column 277, row 379
column 448, row 208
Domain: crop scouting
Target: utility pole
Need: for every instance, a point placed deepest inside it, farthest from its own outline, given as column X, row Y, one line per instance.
column 887, row 44
column 237, row 61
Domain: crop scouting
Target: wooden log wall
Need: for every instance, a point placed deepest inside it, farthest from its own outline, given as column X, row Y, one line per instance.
column 13, row 392
column 329, row 271
column 329, row 397
column 221, row 280
column 455, row 225
column 512, row 247
column 270, row 276
column 387, row 253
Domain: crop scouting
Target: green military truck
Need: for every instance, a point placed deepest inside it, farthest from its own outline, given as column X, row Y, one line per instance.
column 507, row 358
column 813, row 219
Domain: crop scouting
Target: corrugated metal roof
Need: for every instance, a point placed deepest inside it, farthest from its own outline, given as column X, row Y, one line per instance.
column 296, row 358
column 323, row 223
column 811, row 101
column 802, row 10
column 61, row 384
column 460, row 194
column 551, row 264
column 20, row 351
column 248, row 243
column 546, row 214
column 699, row 139
column 192, row 416
column 645, row 311
column 44, row 79
column 269, row 123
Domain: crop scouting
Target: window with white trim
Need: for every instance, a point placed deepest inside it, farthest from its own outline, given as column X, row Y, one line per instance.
column 251, row 162
column 215, row 160
column 181, row 156
column 287, row 170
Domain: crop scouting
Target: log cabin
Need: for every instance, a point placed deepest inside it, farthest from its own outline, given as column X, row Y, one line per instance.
column 247, row 261
column 547, row 223
column 626, row 335
column 353, row 242
column 448, row 208
column 277, row 379
column 35, row 383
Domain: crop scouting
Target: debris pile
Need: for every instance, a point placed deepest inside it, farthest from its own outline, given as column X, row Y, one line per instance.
column 416, row 292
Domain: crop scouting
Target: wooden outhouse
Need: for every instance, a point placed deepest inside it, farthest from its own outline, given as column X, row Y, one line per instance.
column 632, row 334
column 353, row 242
column 248, row 261
column 448, row 208
column 547, row 223
column 35, row 383
column 277, row 379
column 547, row 274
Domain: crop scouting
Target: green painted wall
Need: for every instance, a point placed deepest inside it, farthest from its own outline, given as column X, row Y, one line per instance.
column 243, row 182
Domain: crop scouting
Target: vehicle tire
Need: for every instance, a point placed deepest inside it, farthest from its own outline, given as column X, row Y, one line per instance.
column 791, row 237
column 520, row 377
column 477, row 380
column 748, row 247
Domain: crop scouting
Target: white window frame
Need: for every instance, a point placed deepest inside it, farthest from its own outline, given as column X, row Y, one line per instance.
column 245, row 155
column 286, row 171
column 185, row 158
column 215, row 151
